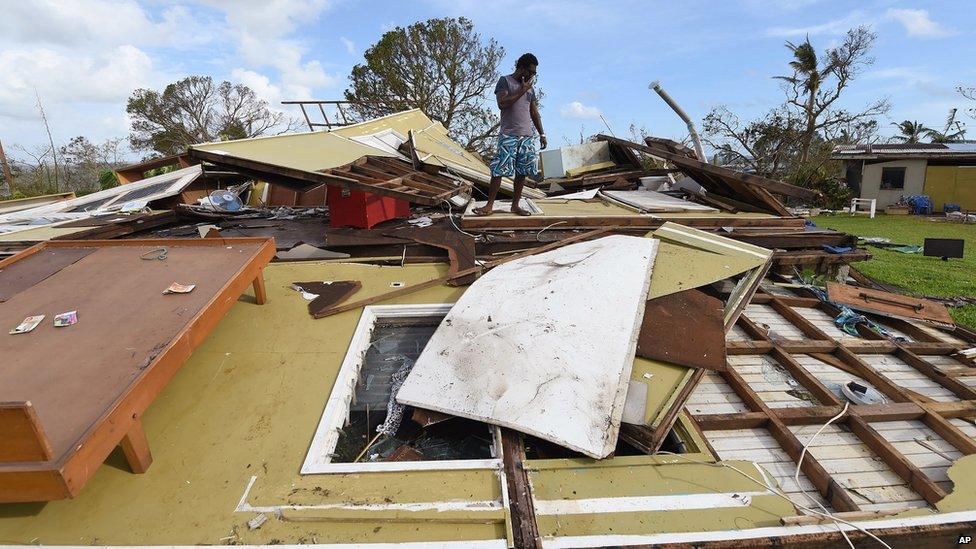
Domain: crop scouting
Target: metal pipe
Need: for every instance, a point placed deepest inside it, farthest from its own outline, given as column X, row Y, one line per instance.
column 656, row 86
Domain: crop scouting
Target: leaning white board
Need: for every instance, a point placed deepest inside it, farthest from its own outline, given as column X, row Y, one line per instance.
column 543, row 345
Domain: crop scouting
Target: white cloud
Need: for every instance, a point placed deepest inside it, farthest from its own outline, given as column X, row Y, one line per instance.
column 578, row 110
column 90, row 23
column 61, row 77
column 83, row 58
column 837, row 26
column 261, row 85
column 349, row 44
column 785, row 5
column 901, row 73
column 918, row 24
column 262, row 29
column 557, row 13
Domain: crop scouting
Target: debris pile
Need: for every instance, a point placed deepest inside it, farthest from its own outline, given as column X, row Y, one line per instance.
column 642, row 279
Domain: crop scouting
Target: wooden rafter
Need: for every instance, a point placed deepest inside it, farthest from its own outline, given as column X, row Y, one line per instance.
column 903, row 403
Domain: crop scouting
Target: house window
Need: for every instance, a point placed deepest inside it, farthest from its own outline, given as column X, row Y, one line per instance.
column 892, row 178
column 384, row 347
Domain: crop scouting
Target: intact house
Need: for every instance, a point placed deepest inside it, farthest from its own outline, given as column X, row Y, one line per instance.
column 946, row 173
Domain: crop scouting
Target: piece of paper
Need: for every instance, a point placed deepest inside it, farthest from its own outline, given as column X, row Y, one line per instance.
column 177, row 288
column 424, row 221
column 66, row 319
column 28, row 324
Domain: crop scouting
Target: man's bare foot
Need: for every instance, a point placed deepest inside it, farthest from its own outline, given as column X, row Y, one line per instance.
column 484, row 210
column 519, row 211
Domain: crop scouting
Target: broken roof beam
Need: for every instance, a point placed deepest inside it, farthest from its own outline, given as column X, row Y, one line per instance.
column 447, row 279
column 760, row 187
column 771, row 185
column 370, row 179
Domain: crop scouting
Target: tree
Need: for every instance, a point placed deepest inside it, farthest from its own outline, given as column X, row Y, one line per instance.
column 910, row 131
column 766, row 146
column 969, row 92
column 86, row 163
column 816, row 84
column 953, row 130
column 196, row 110
column 33, row 170
column 441, row 66
column 47, row 128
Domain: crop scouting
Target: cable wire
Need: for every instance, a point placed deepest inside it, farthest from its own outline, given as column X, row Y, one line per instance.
column 766, row 482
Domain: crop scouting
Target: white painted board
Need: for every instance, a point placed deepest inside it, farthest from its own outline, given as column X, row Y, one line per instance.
column 581, row 195
column 505, row 206
column 652, row 201
column 543, row 345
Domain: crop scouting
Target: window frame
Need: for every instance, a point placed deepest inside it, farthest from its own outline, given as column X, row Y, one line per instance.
column 904, row 175
column 318, row 459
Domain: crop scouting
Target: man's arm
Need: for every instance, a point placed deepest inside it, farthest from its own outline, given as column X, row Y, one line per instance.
column 537, row 120
column 506, row 100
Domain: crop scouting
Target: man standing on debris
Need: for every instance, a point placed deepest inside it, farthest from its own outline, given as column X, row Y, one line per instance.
column 516, row 140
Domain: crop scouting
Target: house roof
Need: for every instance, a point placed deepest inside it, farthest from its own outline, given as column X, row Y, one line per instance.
column 303, row 156
column 906, row 150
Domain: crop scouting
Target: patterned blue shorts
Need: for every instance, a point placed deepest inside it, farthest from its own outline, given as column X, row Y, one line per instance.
column 515, row 156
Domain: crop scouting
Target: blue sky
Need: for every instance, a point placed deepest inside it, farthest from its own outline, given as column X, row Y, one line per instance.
column 83, row 58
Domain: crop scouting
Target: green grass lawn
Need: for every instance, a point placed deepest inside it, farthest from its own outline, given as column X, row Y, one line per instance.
column 914, row 272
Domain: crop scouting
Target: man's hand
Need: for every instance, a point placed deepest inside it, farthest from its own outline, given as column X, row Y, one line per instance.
column 527, row 82
column 543, row 143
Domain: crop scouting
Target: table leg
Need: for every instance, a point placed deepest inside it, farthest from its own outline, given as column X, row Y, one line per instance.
column 260, row 295
column 135, row 446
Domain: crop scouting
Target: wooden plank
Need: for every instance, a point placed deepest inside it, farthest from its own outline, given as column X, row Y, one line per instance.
column 779, row 327
column 810, row 382
column 864, row 370
column 963, row 391
column 798, row 320
column 828, row 487
column 907, row 470
column 303, row 179
column 887, row 303
column 525, row 527
column 75, row 456
column 139, row 223
column 460, row 249
column 407, row 290
column 20, row 275
column 741, row 420
column 684, row 328
column 803, row 520
column 504, row 223
column 22, row 434
column 953, row 409
column 725, row 174
column 952, row 434
column 135, row 446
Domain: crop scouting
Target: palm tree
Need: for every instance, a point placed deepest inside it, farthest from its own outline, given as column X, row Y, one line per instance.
column 807, row 76
column 911, row 132
column 952, row 131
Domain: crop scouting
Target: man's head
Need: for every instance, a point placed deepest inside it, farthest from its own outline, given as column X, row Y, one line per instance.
column 526, row 65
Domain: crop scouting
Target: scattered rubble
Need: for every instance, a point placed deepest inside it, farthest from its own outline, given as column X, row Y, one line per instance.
column 635, row 311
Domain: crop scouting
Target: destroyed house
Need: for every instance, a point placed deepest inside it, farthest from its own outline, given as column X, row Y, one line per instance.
column 945, row 172
column 342, row 353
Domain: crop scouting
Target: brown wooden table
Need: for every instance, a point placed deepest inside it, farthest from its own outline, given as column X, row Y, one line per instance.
column 70, row 395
